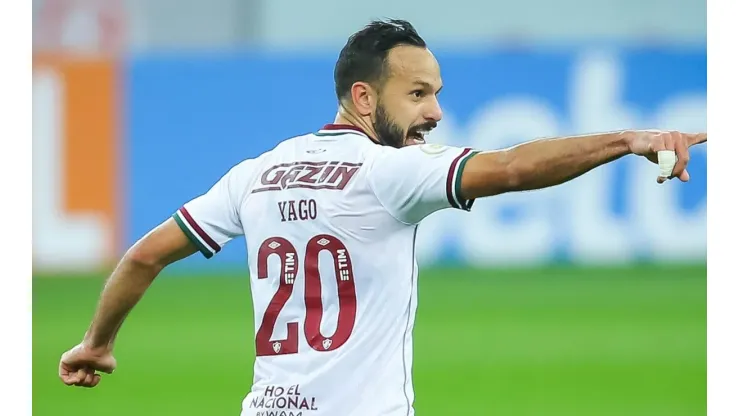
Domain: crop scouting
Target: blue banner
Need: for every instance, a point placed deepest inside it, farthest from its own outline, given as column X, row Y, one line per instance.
column 190, row 118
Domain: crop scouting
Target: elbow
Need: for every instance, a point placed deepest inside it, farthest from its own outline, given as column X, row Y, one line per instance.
column 143, row 258
column 160, row 247
column 515, row 173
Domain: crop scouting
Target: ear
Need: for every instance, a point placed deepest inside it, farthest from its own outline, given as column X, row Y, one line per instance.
column 364, row 98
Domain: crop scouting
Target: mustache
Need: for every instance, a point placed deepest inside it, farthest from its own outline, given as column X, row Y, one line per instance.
column 428, row 126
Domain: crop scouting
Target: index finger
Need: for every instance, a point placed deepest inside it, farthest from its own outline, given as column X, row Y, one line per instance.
column 67, row 375
column 63, row 370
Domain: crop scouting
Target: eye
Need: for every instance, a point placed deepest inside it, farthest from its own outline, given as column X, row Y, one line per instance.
column 417, row 93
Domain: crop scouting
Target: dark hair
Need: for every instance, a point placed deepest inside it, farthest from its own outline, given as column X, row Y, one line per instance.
column 363, row 58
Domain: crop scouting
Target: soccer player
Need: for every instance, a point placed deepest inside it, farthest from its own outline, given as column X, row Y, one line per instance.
column 330, row 222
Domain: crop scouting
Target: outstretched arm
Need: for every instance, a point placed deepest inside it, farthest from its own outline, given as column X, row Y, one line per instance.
column 204, row 224
column 549, row 162
column 134, row 274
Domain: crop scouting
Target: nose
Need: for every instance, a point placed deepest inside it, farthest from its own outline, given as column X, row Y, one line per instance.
column 433, row 110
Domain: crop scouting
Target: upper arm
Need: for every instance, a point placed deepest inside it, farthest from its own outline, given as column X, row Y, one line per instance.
column 211, row 220
column 205, row 223
column 162, row 246
column 415, row 181
column 487, row 174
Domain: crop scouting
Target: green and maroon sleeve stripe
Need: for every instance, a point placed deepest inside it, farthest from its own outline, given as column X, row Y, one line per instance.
column 195, row 233
column 454, row 180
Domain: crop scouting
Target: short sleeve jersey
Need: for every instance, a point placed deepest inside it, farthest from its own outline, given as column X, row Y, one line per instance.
column 330, row 223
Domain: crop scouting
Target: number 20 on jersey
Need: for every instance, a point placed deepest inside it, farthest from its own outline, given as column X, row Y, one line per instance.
column 289, row 270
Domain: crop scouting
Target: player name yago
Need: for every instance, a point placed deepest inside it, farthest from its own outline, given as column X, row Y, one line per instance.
column 284, row 402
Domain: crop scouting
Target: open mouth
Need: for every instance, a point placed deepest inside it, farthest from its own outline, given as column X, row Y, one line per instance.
column 416, row 137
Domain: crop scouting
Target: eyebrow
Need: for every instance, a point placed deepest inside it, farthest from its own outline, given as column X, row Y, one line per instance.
column 427, row 85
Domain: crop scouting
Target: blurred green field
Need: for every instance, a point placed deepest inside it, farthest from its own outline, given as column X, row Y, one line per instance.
column 553, row 341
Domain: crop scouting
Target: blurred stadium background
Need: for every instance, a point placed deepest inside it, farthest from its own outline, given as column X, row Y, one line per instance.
column 585, row 299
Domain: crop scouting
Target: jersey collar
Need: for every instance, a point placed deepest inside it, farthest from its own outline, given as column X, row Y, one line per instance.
column 337, row 129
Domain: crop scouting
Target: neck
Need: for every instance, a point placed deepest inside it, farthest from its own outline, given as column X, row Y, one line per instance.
column 346, row 117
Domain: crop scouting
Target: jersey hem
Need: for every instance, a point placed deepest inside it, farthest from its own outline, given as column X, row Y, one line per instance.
column 454, row 180
column 195, row 234
column 465, row 204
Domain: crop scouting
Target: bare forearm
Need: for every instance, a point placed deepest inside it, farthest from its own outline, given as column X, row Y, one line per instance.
column 542, row 163
column 550, row 162
column 137, row 270
column 122, row 291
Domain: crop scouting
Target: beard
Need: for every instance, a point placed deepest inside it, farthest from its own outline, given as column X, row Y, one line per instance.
column 391, row 134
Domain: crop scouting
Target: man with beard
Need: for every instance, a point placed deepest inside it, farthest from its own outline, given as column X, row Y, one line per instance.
column 330, row 220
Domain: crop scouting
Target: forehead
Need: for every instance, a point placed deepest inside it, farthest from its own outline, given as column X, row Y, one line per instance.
column 411, row 64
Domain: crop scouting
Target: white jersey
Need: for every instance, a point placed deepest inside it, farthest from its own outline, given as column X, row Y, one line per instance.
column 330, row 223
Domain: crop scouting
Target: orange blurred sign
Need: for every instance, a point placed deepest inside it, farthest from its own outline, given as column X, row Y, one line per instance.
column 76, row 162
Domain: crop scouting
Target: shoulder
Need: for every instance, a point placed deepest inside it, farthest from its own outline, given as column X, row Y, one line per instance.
column 411, row 155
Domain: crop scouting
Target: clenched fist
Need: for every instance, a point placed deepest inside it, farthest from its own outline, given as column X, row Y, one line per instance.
column 79, row 366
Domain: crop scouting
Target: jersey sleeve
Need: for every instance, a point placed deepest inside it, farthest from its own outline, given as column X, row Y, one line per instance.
column 211, row 220
column 415, row 181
